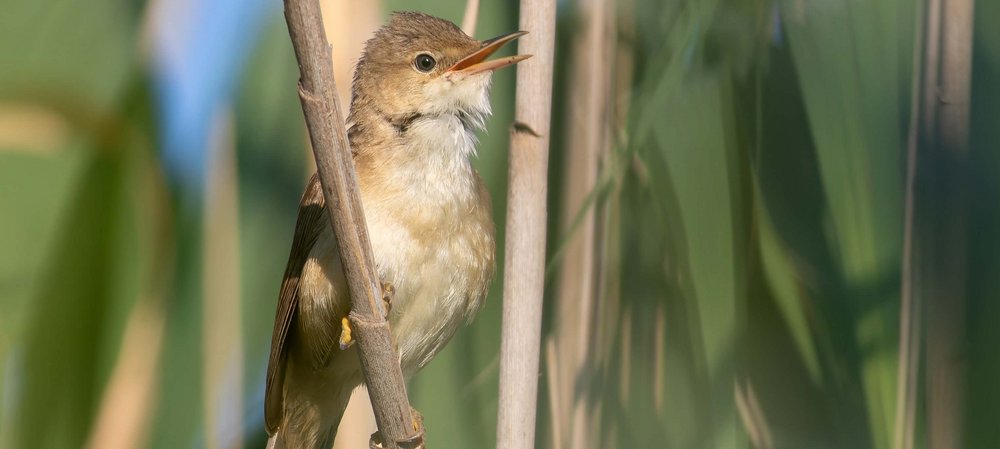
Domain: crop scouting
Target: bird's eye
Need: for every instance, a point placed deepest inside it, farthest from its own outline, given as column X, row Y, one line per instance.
column 424, row 62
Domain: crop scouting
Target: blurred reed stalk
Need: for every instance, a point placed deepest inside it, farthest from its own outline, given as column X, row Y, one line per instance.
column 349, row 24
column 610, row 320
column 936, row 272
column 470, row 18
column 910, row 310
column 31, row 128
column 752, row 415
column 570, row 358
column 124, row 416
column 524, row 264
column 222, row 308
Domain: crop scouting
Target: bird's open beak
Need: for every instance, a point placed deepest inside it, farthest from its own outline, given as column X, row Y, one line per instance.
column 476, row 62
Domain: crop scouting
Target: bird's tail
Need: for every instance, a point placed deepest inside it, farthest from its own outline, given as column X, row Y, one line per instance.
column 272, row 442
column 308, row 424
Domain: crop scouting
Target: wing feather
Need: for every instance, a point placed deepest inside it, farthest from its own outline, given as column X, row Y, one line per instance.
column 307, row 229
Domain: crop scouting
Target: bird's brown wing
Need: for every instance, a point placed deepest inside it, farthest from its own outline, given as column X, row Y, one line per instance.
column 307, row 229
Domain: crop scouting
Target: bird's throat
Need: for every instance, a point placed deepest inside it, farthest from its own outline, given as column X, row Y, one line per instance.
column 436, row 154
column 424, row 159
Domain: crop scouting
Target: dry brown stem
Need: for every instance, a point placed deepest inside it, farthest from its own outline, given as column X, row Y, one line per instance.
column 318, row 93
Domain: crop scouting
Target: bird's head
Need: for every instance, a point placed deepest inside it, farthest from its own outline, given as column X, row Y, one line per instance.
column 422, row 65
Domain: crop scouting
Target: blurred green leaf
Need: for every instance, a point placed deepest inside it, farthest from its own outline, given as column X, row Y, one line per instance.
column 983, row 335
column 74, row 56
column 753, row 228
column 39, row 202
column 848, row 57
column 67, row 328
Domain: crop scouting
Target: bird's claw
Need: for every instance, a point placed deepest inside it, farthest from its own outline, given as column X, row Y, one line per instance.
column 414, row 442
column 346, row 340
column 388, row 291
column 418, row 421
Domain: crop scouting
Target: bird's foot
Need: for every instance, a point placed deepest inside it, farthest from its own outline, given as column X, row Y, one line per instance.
column 414, row 442
column 388, row 291
column 346, row 340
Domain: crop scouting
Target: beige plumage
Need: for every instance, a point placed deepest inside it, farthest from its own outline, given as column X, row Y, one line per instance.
column 411, row 128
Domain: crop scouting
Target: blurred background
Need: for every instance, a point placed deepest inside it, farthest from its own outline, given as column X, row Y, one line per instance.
column 729, row 261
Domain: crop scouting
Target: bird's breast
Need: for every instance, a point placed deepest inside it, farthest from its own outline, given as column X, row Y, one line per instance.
column 439, row 258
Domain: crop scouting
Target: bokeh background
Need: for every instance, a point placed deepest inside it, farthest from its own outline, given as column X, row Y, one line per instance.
column 726, row 241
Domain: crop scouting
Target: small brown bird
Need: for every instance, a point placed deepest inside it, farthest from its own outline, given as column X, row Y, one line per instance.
column 420, row 92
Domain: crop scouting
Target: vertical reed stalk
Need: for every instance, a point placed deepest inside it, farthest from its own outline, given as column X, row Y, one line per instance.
column 910, row 313
column 470, row 17
column 587, row 137
column 934, row 266
column 526, row 217
column 222, row 355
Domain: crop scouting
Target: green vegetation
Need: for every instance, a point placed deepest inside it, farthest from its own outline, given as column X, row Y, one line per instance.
column 751, row 207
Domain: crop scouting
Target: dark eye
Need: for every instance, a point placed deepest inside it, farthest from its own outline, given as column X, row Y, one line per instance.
column 424, row 62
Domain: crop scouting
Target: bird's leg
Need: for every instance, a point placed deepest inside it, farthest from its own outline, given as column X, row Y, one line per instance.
column 346, row 339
